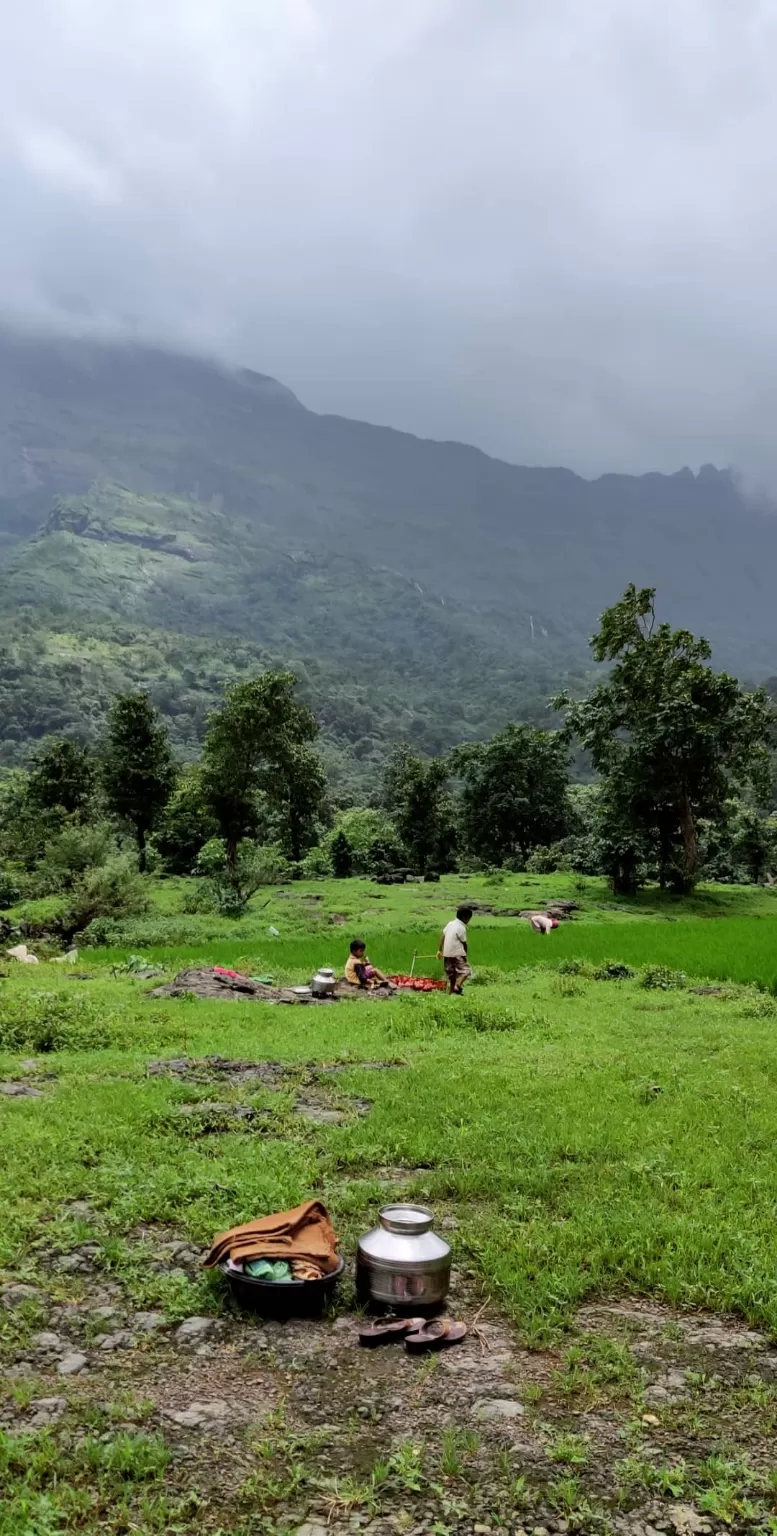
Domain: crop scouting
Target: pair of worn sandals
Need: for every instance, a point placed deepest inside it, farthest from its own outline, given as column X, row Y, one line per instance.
column 421, row 1335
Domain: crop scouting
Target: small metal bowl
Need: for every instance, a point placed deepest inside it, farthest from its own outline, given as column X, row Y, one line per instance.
column 293, row 1298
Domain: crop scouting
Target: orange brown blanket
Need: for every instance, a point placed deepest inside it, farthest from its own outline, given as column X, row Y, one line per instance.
column 305, row 1237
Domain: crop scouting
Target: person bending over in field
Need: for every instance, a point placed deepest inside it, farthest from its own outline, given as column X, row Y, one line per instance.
column 359, row 969
column 453, row 950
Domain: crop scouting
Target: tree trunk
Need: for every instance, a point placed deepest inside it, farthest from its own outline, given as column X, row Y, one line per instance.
column 142, row 850
column 690, row 842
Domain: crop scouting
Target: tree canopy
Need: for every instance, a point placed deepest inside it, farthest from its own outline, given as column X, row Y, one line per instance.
column 514, row 792
column 670, row 737
column 416, row 794
column 138, row 767
column 257, row 757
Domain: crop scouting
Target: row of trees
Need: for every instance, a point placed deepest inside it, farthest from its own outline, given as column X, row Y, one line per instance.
column 684, row 764
column 682, row 756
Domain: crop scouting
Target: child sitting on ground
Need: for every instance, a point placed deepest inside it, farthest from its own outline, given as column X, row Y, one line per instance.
column 360, row 971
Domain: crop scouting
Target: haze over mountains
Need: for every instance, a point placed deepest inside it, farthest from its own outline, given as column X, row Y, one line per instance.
column 425, row 590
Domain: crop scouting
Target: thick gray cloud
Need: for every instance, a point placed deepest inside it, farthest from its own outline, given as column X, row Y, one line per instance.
column 547, row 228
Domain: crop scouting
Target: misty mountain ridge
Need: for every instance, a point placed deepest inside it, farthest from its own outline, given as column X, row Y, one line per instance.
column 428, row 588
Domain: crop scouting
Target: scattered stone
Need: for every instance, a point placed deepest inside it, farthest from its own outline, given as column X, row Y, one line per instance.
column 199, row 1415
column 15, row 1295
column 72, row 1365
column 46, row 1410
column 29, row 1064
column 104, row 1314
column 714, row 1335
column 194, row 1330
column 79, row 1208
column 498, row 1408
column 47, row 1341
column 318, row 1114
column 20, row 1091
column 150, row 1322
column 313, row 1528
column 22, row 1368
column 449, row 1224
column 122, row 1339
column 21, row 953
column 687, row 1522
column 71, row 1264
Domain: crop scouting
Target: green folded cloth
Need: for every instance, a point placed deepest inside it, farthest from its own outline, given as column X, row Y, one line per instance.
column 264, row 981
column 277, row 1271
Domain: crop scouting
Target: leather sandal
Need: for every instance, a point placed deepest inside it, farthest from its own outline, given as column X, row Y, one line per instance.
column 388, row 1331
column 438, row 1333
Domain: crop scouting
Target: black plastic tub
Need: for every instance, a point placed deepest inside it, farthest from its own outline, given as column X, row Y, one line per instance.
column 296, row 1298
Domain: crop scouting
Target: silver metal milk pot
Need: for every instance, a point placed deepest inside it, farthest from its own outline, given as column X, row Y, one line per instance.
column 403, row 1265
column 323, row 983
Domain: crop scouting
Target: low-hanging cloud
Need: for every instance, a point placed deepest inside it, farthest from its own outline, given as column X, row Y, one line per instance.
column 548, row 229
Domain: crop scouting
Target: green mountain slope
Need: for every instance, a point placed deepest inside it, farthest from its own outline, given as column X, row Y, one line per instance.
column 206, row 522
column 164, row 592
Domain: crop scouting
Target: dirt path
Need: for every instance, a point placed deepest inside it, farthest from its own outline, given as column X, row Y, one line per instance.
column 293, row 1427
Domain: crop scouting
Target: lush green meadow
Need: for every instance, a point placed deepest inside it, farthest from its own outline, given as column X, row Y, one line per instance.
column 584, row 1140
column 724, row 933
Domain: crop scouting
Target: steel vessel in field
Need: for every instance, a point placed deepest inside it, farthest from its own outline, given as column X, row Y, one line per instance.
column 403, row 1265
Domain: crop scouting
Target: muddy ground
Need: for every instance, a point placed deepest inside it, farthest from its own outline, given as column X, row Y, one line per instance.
column 298, row 1427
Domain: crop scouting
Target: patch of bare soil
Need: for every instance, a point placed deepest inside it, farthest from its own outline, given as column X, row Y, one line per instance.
column 296, row 1426
column 209, row 985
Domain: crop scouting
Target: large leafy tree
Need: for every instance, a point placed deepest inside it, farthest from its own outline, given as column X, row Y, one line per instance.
column 258, row 758
column 185, row 826
column 415, row 791
column 62, row 776
column 296, row 792
column 138, row 767
column 514, row 792
column 670, row 737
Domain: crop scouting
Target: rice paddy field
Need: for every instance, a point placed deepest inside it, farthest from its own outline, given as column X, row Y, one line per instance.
column 724, row 933
column 599, row 1148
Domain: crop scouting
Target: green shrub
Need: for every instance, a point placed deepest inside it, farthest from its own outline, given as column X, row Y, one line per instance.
column 48, row 1021
column 10, row 890
column 572, row 967
column 759, row 1005
column 487, row 976
column 229, row 887
column 470, row 1013
column 73, row 851
column 615, row 970
column 114, row 889
column 662, row 978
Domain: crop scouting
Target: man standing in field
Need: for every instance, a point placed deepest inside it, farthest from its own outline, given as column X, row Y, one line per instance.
column 453, row 950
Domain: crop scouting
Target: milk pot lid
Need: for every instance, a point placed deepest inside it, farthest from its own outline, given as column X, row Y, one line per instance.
column 411, row 1220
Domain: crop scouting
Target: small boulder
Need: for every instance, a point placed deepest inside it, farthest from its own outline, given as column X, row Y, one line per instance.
column 20, row 1091
column 72, row 1365
column 71, row 1264
column 122, row 1339
column 150, row 1322
column 498, row 1408
column 194, row 1330
column 50, row 1342
column 199, row 1415
column 16, row 1295
column 46, row 1410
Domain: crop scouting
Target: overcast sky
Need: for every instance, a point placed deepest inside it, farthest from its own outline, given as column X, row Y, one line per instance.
column 548, row 227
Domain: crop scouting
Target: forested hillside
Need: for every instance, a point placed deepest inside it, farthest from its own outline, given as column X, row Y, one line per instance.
column 167, row 522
